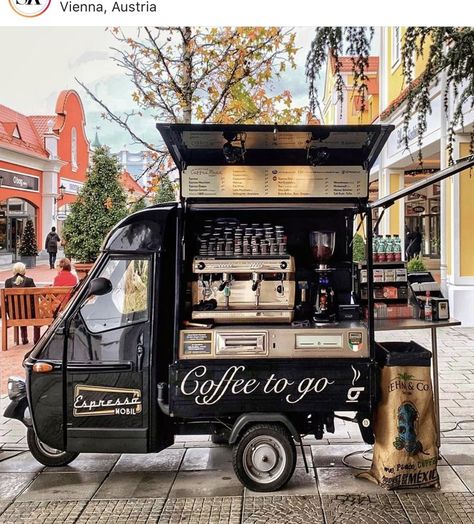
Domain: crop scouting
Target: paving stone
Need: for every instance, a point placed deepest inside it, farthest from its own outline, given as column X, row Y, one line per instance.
column 363, row 509
column 20, row 463
column 207, row 458
column 332, row 481
column 459, row 455
column 121, row 511
column 215, row 510
column 166, row 460
column 280, row 509
column 41, row 512
column 89, row 462
column 4, row 455
column 4, row 505
column 63, row 486
column 12, row 484
column 331, row 456
column 467, row 475
column 301, row 483
column 136, row 484
column 439, row 508
column 209, row 483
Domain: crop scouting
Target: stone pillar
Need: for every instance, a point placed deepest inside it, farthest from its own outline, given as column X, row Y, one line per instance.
column 459, row 246
column 50, row 189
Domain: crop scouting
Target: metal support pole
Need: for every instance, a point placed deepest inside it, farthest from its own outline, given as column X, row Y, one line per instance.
column 434, row 349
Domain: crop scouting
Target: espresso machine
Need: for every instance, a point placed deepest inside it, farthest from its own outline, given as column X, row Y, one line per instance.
column 243, row 273
column 322, row 244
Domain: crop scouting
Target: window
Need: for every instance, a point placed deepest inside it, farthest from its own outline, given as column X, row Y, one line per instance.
column 396, row 45
column 126, row 304
column 74, row 149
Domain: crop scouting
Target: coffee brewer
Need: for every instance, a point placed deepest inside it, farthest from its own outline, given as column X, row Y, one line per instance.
column 322, row 244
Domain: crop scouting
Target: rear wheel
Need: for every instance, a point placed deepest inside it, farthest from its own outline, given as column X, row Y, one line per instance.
column 47, row 455
column 264, row 459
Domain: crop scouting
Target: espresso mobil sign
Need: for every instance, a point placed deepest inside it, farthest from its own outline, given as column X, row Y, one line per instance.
column 207, row 387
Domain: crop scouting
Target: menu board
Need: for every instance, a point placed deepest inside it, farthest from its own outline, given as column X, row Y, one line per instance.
column 274, row 182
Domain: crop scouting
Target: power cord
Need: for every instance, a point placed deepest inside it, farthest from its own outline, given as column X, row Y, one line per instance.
column 362, row 452
column 457, row 425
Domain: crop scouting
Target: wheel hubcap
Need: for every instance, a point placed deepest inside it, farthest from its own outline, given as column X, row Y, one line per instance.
column 264, row 459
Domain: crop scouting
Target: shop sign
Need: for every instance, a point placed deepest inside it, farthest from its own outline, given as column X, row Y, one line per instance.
column 19, row 181
column 418, row 209
column 71, row 186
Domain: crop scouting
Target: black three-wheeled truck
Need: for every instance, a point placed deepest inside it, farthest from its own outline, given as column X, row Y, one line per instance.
column 232, row 312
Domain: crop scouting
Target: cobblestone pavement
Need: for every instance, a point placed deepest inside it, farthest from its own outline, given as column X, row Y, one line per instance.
column 193, row 481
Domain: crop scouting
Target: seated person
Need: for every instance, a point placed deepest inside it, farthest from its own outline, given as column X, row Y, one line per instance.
column 19, row 280
column 64, row 276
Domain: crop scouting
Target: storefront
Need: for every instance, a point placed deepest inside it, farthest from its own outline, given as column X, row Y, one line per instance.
column 43, row 163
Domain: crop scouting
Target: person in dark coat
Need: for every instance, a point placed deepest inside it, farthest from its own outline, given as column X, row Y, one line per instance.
column 20, row 280
column 414, row 246
column 51, row 246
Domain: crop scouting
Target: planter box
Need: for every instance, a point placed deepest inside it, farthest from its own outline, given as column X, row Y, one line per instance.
column 28, row 261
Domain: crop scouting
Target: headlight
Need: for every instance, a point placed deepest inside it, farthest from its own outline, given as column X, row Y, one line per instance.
column 16, row 388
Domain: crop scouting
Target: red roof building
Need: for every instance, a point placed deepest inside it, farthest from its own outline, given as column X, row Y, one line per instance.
column 43, row 164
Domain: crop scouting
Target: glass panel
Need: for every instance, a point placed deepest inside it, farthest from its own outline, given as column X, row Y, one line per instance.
column 3, row 234
column 126, row 304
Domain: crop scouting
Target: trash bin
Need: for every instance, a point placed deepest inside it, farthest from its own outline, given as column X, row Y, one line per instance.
column 405, row 451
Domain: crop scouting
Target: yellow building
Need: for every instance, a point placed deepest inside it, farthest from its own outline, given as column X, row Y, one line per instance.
column 444, row 213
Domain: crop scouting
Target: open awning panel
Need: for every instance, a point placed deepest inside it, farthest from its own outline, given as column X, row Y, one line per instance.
column 203, row 144
column 323, row 163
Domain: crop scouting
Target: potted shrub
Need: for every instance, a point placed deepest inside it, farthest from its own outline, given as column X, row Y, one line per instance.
column 28, row 250
column 416, row 264
column 101, row 203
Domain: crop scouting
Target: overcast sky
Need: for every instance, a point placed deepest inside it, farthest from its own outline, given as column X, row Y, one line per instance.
column 37, row 63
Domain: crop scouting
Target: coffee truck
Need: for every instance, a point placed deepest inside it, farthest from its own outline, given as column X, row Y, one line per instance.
column 231, row 312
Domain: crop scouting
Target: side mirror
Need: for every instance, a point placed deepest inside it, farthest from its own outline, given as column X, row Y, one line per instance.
column 100, row 286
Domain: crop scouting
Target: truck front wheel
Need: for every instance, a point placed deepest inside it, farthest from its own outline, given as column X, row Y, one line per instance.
column 45, row 454
column 264, row 458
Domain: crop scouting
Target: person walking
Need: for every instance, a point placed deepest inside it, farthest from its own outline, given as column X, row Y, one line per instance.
column 51, row 246
column 20, row 280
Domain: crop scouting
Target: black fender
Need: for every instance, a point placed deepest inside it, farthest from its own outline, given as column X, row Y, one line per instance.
column 16, row 409
column 249, row 418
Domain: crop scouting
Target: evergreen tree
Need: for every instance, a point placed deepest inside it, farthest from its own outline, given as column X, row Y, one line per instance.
column 165, row 191
column 28, row 245
column 101, row 203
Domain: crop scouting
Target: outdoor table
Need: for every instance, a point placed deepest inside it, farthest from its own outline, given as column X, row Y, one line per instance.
column 404, row 324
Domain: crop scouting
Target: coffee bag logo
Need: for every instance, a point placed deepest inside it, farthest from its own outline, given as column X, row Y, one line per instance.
column 29, row 8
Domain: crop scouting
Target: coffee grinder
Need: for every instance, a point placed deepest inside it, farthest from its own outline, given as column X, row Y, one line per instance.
column 322, row 245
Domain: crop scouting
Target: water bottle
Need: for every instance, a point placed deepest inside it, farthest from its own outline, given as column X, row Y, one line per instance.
column 381, row 250
column 389, row 249
column 397, row 249
column 375, row 246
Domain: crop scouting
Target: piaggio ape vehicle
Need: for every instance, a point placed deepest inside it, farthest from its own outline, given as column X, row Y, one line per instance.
column 231, row 312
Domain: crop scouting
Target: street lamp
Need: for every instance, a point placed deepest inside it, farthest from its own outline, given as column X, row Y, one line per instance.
column 60, row 196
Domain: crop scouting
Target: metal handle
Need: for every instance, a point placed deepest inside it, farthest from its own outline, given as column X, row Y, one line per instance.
column 140, row 352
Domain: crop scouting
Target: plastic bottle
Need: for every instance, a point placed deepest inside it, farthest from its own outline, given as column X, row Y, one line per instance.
column 397, row 251
column 375, row 247
column 389, row 249
column 381, row 250
column 428, row 309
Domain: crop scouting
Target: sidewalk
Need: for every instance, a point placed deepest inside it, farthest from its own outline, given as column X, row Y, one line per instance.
column 193, row 481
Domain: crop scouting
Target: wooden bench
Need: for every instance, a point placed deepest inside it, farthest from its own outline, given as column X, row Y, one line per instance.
column 29, row 306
